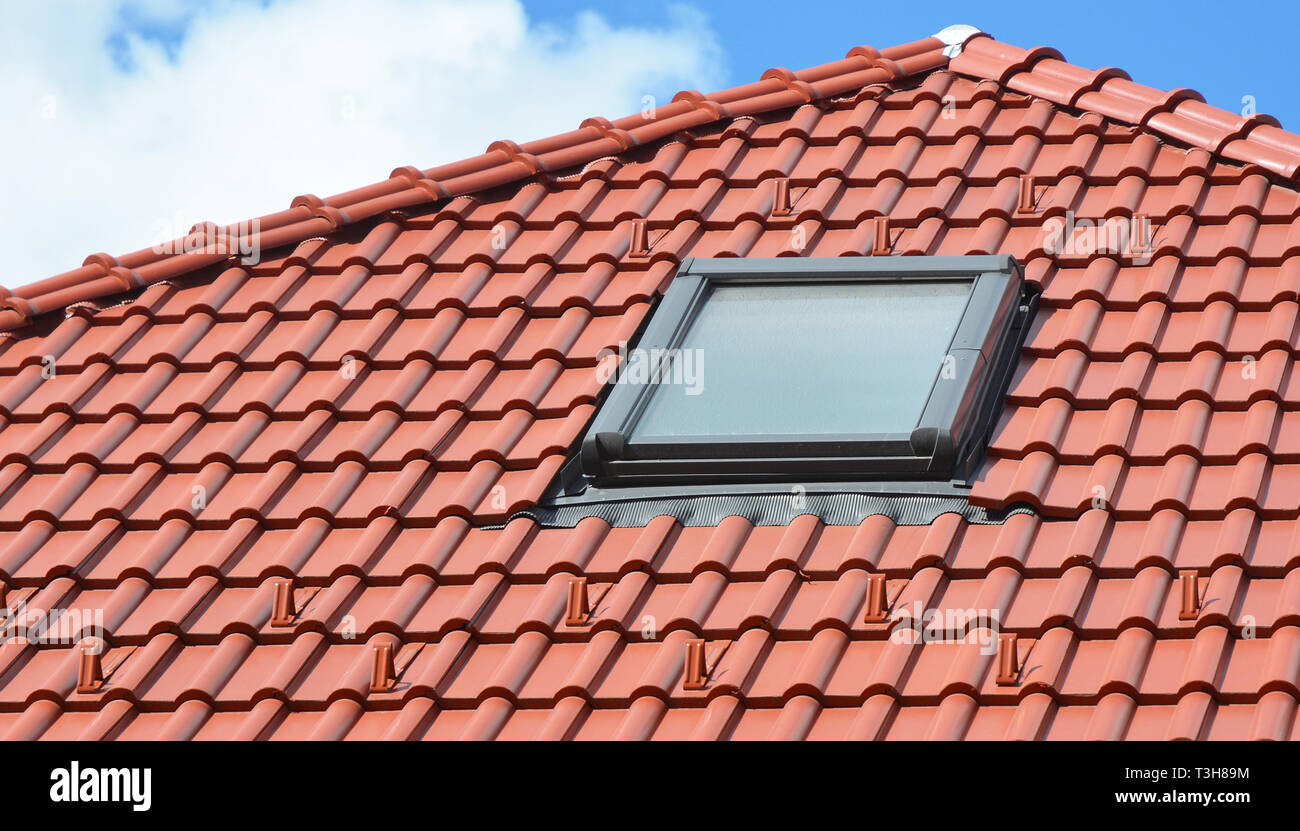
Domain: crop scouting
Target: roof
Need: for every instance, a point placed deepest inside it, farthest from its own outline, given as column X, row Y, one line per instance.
column 338, row 435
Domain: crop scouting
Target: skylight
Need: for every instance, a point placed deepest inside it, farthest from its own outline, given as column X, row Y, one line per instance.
column 847, row 357
column 837, row 369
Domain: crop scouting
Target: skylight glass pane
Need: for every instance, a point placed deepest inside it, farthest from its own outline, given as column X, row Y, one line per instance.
column 812, row 359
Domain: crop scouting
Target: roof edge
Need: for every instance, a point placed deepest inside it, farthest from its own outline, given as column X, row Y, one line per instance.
column 1180, row 115
column 504, row 162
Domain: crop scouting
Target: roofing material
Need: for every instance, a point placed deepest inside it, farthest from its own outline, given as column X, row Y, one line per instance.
column 277, row 481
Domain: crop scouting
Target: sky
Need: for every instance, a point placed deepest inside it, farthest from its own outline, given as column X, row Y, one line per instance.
column 128, row 121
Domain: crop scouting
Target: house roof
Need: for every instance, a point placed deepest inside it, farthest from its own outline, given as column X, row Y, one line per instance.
column 352, row 422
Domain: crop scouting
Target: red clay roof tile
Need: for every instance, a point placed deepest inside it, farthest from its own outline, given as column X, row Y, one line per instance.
column 348, row 422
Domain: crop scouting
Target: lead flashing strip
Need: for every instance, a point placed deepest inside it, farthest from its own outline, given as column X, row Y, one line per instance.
column 769, row 509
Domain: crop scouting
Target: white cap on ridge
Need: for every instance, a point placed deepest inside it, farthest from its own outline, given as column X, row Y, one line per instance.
column 954, row 36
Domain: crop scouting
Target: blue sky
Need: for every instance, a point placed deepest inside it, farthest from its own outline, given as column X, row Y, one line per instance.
column 1222, row 50
column 1167, row 45
column 127, row 121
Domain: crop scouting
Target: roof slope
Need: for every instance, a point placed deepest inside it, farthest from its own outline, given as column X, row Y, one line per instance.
column 351, row 413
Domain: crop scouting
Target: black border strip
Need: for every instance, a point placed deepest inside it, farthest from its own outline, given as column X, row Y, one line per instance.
column 768, row 509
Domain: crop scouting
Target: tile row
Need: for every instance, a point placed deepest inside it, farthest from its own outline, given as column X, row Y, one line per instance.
column 387, row 551
column 1155, row 328
column 757, row 666
column 385, row 340
column 417, row 290
column 421, row 491
column 927, row 232
column 1223, row 382
column 1167, row 280
column 512, row 336
column 1143, row 435
column 1181, row 483
column 322, row 442
column 870, row 139
column 913, row 213
column 440, row 302
column 841, row 184
column 919, row 227
column 1195, row 715
column 495, row 608
column 226, row 391
column 541, row 292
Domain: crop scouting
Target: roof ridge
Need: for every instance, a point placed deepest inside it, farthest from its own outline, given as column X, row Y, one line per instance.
column 502, row 163
column 1181, row 115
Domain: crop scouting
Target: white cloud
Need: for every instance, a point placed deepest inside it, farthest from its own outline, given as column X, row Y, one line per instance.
column 101, row 145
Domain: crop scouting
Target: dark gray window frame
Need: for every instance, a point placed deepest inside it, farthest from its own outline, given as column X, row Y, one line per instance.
column 948, row 439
